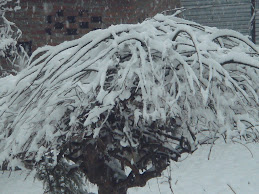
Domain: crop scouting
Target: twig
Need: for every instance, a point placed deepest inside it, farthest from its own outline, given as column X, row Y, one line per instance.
column 190, row 131
column 158, row 185
column 149, row 186
column 210, row 151
column 180, row 160
column 170, row 179
column 28, row 174
column 10, row 173
column 244, row 146
column 231, row 189
column 214, row 139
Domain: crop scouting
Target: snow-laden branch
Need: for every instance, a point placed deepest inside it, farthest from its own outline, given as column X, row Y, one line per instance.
column 12, row 56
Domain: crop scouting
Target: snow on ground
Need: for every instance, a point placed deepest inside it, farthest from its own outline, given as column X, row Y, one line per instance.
column 230, row 165
column 232, row 168
column 19, row 183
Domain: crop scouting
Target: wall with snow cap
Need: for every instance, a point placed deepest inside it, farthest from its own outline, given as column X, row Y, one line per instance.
column 52, row 22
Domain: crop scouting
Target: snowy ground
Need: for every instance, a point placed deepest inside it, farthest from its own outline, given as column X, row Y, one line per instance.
column 230, row 165
column 232, row 168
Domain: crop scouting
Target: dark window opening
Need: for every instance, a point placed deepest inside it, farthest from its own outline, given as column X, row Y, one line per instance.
column 83, row 25
column 60, row 13
column 49, row 19
column 96, row 29
column 59, row 25
column 71, row 31
column 26, row 46
column 82, row 12
column 71, row 19
column 96, row 19
column 48, row 31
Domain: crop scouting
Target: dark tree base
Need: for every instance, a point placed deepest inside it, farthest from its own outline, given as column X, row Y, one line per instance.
column 110, row 190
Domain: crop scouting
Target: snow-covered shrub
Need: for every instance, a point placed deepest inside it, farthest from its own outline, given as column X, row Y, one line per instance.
column 12, row 56
column 61, row 178
column 122, row 102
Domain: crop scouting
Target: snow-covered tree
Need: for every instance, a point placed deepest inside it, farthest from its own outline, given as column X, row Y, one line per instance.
column 118, row 104
column 12, row 56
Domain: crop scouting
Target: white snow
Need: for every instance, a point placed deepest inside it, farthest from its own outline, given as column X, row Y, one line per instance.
column 231, row 166
column 19, row 183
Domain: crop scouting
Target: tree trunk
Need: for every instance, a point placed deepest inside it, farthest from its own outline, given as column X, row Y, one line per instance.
column 110, row 190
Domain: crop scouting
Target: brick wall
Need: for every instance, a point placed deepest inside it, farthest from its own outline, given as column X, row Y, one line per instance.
column 54, row 21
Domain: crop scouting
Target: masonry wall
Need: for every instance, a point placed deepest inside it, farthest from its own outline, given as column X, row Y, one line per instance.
column 54, row 21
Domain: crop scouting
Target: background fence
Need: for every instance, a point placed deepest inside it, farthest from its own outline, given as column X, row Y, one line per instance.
column 230, row 14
